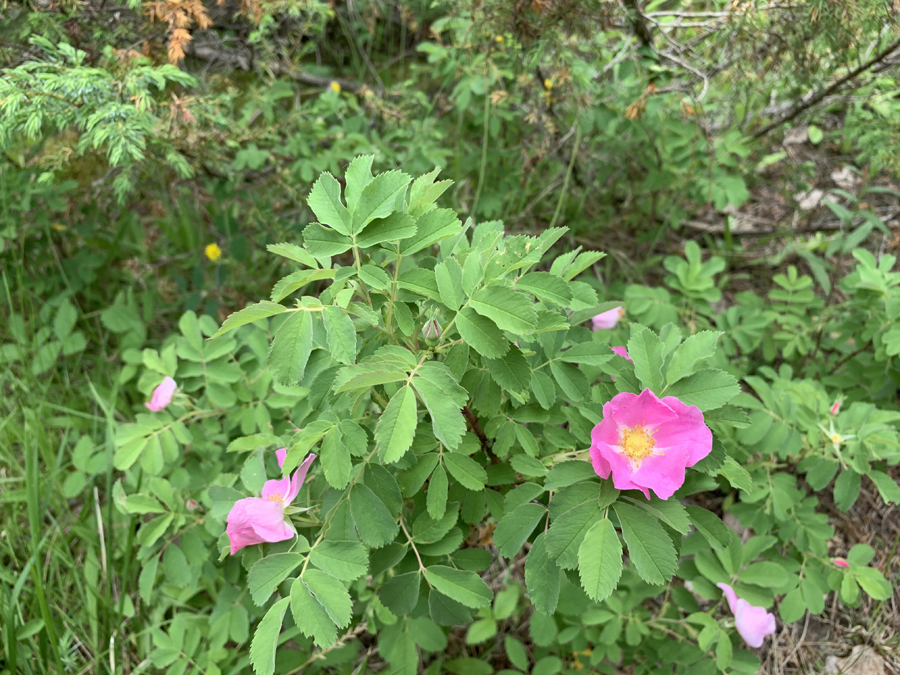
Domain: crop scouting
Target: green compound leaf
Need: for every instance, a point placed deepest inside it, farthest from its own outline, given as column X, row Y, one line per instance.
column 507, row 308
column 310, row 616
column 325, row 201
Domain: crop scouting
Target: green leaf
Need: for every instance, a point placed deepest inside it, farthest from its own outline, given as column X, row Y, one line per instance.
column 645, row 349
column 400, row 593
column 341, row 334
column 331, row 594
column 378, row 198
column 873, row 583
column 887, row 486
column 649, row 547
column 431, row 227
column 571, row 380
column 448, row 275
column 310, row 616
column 396, row 427
column 508, row 309
column 707, row 389
column 567, row 473
column 436, row 500
column 466, row 470
column 766, row 574
column 792, row 606
column 322, row 242
column 260, row 310
column 481, row 334
column 600, row 560
column 345, row 560
column 516, row 653
column 372, row 518
column 463, row 586
column 588, row 354
column 265, row 639
column 293, row 252
column 141, row 503
column 357, row 176
column 148, row 579
column 567, row 532
column 516, row 526
column 443, row 398
column 421, row 282
column 695, row 348
column 542, row 577
column 396, row 226
column 711, row 527
column 270, row 571
column 335, row 459
column 325, row 201
column 512, row 371
column 365, row 375
column 543, row 389
column 296, row 281
column 547, row 287
column 291, row 348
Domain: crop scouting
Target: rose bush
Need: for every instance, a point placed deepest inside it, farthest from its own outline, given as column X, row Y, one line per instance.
column 460, row 446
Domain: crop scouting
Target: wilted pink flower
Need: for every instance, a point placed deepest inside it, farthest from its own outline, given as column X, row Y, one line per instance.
column 621, row 351
column 162, row 395
column 608, row 319
column 840, row 562
column 753, row 623
column 835, row 407
column 432, row 330
column 257, row 519
column 647, row 442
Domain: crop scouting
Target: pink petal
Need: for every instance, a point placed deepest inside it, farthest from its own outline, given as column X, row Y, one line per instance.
column 840, row 562
column 752, row 623
column 621, row 351
column 281, row 454
column 277, row 490
column 254, row 520
column 162, row 395
column 607, row 320
column 298, row 478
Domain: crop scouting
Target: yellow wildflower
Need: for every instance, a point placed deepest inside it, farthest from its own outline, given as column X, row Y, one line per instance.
column 548, row 83
column 336, row 87
column 499, row 39
column 213, row 252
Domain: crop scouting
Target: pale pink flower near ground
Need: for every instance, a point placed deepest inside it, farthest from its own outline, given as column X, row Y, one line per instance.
column 255, row 520
column 621, row 351
column 753, row 623
column 608, row 320
column 162, row 395
column 646, row 443
column 840, row 562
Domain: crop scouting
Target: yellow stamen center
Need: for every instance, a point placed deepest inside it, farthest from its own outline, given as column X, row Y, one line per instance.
column 637, row 444
column 276, row 497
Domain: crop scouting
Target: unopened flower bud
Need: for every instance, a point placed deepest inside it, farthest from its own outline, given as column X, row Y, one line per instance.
column 191, row 505
column 432, row 330
column 840, row 562
column 836, row 407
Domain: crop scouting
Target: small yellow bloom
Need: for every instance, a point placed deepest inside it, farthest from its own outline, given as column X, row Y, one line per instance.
column 213, row 252
column 499, row 39
column 335, row 87
column 548, row 83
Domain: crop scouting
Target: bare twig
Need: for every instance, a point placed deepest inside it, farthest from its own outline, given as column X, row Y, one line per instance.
column 837, row 84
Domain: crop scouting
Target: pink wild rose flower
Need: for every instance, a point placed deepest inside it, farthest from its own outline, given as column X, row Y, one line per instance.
column 162, row 395
column 753, row 623
column 646, row 443
column 255, row 520
column 608, row 320
column 621, row 351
